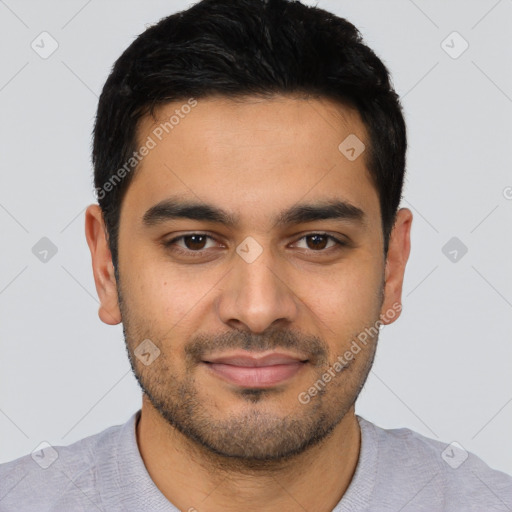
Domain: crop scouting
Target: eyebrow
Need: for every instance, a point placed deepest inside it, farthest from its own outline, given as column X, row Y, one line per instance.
column 174, row 208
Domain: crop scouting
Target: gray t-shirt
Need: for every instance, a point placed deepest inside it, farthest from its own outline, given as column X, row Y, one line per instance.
column 398, row 470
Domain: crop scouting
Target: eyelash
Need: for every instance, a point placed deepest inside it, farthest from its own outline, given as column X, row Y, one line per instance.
column 195, row 254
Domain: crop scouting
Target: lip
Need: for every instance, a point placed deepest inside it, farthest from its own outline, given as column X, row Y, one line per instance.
column 254, row 359
column 248, row 370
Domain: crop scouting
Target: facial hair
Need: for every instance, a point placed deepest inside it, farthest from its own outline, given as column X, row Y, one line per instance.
column 256, row 438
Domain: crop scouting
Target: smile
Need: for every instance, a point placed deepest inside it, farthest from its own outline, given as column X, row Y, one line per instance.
column 255, row 376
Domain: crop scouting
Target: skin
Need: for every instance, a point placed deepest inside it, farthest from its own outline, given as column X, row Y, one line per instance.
column 207, row 443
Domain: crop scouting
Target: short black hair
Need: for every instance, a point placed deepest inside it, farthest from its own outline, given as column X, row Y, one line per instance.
column 241, row 48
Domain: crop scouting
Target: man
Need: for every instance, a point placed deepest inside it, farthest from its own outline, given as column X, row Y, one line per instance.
column 249, row 157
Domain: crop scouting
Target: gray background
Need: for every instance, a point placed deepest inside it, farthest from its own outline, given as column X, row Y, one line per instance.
column 443, row 369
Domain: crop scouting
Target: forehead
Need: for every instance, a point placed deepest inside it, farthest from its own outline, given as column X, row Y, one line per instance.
column 252, row 156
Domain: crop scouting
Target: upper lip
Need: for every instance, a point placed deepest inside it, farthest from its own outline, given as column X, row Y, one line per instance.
column 255, row 360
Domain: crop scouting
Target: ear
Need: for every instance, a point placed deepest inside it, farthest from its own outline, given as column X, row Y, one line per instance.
column 398, row 254
column 103, row 269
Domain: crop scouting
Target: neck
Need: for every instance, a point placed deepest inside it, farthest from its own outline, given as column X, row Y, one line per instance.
column 193, row 478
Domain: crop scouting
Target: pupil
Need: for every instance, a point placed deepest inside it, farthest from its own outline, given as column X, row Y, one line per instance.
column 317, row 237
column 193, row 246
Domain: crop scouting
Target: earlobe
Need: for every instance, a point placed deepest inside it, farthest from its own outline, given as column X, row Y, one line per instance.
column 103, row 269
column 396, row 261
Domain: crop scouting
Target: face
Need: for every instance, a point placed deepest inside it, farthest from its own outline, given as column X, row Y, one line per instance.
column 247, row 232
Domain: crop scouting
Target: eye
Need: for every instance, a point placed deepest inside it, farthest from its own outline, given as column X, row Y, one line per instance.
column 317, row 242
column 192, row 244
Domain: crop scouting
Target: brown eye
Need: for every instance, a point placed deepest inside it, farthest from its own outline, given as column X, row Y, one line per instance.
column 318, row 242
column 195, row 242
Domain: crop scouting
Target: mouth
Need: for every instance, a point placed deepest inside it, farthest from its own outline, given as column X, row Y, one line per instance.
column 246, row 369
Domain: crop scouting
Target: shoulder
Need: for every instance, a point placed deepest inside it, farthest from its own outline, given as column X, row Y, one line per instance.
column 57, row 476
column 428, row 470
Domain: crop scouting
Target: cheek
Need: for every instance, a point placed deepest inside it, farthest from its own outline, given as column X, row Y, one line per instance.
column 348, row 294
column 171, row 300
column 168, row 298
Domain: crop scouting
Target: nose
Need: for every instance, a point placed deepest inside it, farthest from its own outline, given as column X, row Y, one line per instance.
column 257, row 294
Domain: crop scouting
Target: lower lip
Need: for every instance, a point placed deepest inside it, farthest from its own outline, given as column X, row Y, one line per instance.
column 255, row 377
